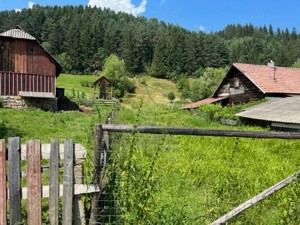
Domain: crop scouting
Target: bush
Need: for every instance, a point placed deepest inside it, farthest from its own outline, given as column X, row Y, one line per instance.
column 1, row 103
column 171, row 96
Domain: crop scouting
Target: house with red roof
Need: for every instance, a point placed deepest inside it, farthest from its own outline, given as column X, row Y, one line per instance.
column 245, row 83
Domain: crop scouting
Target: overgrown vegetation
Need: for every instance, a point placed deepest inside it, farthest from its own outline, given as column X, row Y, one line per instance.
column 195, row 180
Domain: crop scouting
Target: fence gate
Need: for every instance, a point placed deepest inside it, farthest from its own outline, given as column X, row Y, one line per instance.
column 23, row 192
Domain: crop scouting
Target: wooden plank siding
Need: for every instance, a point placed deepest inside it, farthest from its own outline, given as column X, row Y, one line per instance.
column 25, row 66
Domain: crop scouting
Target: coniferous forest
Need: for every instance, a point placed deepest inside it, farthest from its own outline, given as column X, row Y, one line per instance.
column 82, row 37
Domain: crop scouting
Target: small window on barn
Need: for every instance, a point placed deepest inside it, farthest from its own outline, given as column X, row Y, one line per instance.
column 236, row 82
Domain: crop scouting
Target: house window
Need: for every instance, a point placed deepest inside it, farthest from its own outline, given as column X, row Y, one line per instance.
column 236, row 82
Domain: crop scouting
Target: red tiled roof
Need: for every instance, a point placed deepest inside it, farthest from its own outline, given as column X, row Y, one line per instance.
column 194, row 105
column 272, row 80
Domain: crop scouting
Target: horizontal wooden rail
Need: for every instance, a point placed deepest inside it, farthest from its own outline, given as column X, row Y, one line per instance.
column 199, row 132
column 79, row 189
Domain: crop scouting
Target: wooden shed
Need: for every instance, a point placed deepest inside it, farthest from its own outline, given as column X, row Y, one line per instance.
column 102, row 88
column 27, row 70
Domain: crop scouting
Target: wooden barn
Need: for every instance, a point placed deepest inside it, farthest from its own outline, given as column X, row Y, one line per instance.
column 102, row 88
column 27, row 71
column 245, row 83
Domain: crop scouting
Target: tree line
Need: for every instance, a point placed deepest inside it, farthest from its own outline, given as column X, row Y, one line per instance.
column 81, row 38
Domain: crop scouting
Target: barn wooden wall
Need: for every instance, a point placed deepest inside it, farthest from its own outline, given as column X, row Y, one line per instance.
column 25, row 66
column 25, row 56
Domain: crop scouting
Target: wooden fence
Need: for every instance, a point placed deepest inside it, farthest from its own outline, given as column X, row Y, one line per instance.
column 12, row 193
column 103, row 129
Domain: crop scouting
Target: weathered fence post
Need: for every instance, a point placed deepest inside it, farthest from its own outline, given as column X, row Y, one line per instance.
column 68, row 182
column 79, row 214
column 34, row 192
column 96, row 178
column 3, row 182
column 14, row 177
column 53, row 182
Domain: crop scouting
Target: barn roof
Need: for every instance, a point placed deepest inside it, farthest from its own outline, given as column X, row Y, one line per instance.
column 17, row 33
column 283, row 110
column 194, row 105
column 270, row 79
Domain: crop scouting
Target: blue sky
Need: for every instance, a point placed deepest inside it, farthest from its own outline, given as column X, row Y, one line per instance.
column 206, row 15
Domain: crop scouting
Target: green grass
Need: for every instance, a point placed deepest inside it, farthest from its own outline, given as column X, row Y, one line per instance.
column 69, row 82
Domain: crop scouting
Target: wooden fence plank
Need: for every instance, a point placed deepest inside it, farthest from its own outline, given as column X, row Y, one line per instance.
column 54, row 183
column 33, row 160
column 257, row 198
column 2, row 182
column 14, row 174
column 68, row 182
column 200, row 132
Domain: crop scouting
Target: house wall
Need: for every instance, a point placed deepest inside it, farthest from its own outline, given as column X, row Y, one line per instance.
column 239, row 88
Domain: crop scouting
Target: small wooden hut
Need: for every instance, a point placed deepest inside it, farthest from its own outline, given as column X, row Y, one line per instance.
column 102, row 88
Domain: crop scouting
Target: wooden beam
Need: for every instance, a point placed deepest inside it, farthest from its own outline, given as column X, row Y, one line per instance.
column 14, row 177
column 199, row 132
column 3, row 199
column 79, row 189
column 68, row 183
column 257, row 198
column 54, row 183
column 96, row 178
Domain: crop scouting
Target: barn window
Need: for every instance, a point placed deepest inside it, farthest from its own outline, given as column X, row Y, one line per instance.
column 236, row 82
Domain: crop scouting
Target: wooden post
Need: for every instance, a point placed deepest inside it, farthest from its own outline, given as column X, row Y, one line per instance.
column 78, row 206
column 2, row 182
column 14, row 177
column 96, row 179
column 33, row 159
column 68, row 183
column 53, row 182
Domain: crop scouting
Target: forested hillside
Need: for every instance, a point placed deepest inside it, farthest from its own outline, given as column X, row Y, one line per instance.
column 82, row 37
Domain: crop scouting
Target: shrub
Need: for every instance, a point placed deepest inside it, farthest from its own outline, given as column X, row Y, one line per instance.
column 171, row 96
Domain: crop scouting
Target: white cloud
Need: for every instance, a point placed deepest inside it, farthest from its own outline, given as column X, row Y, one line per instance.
column 120, row 6
column 18, row 10
column 30, row 4
column 202, row 28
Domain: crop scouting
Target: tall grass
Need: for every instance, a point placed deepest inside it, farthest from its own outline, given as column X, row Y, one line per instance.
column 163, row 179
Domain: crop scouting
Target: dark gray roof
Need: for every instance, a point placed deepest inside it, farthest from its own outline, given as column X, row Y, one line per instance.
column 17, row 33
column 283, row 110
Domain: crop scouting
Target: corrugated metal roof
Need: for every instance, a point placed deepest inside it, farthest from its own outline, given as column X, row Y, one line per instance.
column 283, row 110
column 194, row 105
column 17, row 33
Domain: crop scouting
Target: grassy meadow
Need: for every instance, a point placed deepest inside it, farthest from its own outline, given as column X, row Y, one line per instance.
column 165, row 179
